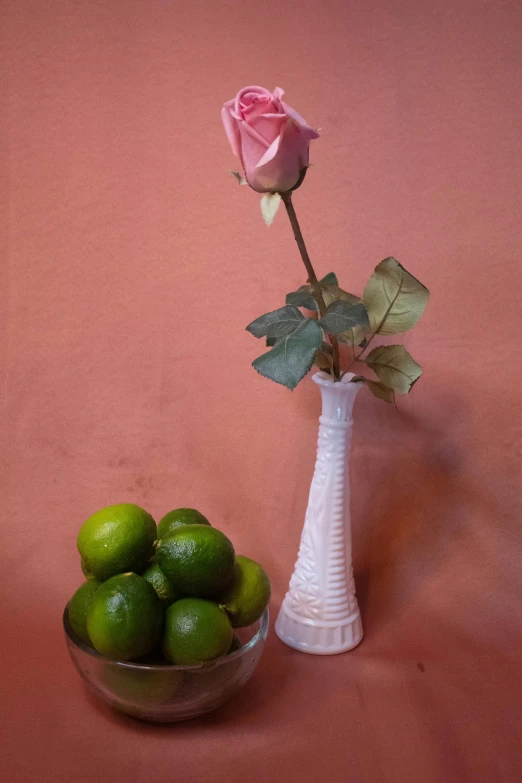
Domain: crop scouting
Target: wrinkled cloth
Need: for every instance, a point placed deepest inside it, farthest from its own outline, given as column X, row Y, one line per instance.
column 132, row 265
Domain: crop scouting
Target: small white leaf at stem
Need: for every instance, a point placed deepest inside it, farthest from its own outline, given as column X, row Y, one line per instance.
column 237, row 175
column 269, row 206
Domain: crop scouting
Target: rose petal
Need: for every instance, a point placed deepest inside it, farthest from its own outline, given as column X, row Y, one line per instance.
column 306, row 129
column 253, row 147
column 249, row 130
column 231, row 128
column 258, row 109
column 253, row 90
column 269, row 126
column 281, row 165
column 270, row 153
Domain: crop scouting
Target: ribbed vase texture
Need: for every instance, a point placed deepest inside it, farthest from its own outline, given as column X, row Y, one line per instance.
column 319, row 613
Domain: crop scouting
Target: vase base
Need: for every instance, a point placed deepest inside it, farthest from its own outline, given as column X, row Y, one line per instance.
column 316, row 638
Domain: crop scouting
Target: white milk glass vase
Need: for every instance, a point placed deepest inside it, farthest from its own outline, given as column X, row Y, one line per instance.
column 319, row 614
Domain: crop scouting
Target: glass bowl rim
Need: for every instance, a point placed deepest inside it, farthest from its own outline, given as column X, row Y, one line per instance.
column 260, row 635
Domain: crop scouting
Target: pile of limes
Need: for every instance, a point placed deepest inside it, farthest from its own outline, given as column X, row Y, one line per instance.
column 176, row 590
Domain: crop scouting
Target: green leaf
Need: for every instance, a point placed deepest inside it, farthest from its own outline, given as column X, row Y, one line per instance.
column 342, row 316
column 323, row 361
column 394, row 366
column 326, row 348
column 354, row 337
column 270, row 341
column 381, row 391
column 331, row 293
column 378, row 389
column 277, row 323
column 303, row 296
column 323, row 357
column 329, row 279
column 292, row 356
column 395, row 300
column 238, row 176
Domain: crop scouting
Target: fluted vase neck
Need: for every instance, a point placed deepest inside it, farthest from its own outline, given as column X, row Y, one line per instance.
column 337, row 397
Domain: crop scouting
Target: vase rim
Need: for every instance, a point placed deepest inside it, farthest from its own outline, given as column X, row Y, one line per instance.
column 325, row 379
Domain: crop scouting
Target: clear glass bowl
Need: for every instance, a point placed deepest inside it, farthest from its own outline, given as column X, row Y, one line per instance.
column 168, row 693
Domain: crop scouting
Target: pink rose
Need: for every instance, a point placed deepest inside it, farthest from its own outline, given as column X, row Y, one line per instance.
column 269, row 138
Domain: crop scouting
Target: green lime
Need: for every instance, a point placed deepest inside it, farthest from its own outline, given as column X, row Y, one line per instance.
column 161, row 584
column 196, row 630
column 124, row 617
column 156, row 657
column 196, row 559
column 220, row 674
column 178, row 518
column 247, row 595
column 116, row 539
column 235, row 645
column 77, row 609
column 87, row 574
column 143, row 687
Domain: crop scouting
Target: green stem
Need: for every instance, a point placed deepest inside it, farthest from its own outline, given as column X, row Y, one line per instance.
column 312, row 277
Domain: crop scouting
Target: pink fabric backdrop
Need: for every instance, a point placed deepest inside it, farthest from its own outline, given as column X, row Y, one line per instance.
column 132, row 263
